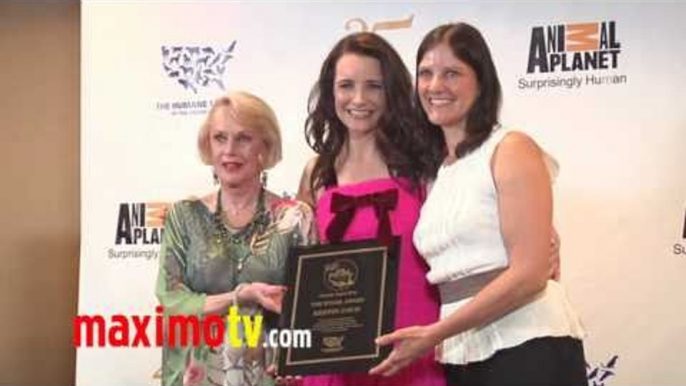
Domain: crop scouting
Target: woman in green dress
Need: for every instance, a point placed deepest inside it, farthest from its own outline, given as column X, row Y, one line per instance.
column 229, row 247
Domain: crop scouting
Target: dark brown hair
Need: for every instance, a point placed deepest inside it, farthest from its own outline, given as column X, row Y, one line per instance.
column 469, row 46
column 400, row 144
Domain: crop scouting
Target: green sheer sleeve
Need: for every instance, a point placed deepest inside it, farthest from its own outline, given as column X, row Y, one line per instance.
column 172, row 290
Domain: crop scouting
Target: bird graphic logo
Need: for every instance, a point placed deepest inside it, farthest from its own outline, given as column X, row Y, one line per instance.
column 599, row 374
column 195, row 67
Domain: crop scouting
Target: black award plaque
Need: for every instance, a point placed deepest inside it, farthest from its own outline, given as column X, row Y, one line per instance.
column 344, row 294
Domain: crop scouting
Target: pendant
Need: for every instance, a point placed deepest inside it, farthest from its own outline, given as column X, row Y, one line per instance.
column 240, row 266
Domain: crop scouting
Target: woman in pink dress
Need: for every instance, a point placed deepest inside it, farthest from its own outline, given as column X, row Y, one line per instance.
column 360, row 125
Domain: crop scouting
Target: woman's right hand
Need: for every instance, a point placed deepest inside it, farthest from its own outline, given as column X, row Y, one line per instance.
column 409, row 343
column 268, row 296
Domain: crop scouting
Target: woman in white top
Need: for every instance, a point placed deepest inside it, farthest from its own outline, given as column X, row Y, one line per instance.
column 484, row 231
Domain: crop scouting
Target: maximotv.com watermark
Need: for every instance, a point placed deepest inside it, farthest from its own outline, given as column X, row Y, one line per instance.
column 182, row 330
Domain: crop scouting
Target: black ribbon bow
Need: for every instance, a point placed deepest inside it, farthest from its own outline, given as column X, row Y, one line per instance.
column 344, row 208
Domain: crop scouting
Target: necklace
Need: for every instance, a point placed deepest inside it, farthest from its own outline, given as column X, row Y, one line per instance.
column 241, row 240
column 239, row 209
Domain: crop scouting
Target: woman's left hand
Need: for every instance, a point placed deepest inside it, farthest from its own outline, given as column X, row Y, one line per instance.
column 410, row 344
column 268, row 296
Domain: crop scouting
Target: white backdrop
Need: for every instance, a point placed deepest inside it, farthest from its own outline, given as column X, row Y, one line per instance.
column 620, row 206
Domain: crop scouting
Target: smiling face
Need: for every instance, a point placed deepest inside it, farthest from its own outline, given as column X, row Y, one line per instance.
column 447, row 87
column 236, row 151
column 359, row 94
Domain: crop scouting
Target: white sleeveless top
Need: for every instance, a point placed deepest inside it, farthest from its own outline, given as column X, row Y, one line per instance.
column 458, row 234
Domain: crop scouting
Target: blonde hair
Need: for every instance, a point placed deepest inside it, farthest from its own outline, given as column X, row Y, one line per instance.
column 251, row 112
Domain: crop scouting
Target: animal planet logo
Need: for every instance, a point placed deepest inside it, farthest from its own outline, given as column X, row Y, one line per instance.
column 139, row 225
column 196, row 67
column 572, row 48
column 599, row 374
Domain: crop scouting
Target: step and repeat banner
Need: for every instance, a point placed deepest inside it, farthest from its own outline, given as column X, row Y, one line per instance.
column 600, row 86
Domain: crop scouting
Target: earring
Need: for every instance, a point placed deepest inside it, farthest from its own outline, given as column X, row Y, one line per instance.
column 215, row 178
column 263, row 179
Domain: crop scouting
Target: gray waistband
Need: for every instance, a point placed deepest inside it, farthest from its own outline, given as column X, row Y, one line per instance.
column 454, row 291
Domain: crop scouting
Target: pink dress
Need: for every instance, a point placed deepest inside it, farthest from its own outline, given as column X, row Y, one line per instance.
column 417, row 301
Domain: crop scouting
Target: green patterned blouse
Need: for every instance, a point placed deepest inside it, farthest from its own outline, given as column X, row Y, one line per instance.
column 197, row 260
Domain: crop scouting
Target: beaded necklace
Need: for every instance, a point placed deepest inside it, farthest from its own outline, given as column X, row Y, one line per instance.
column 242, row 239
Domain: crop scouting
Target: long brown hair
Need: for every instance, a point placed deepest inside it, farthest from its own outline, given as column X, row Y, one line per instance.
column 468, row 45
column 400, row 144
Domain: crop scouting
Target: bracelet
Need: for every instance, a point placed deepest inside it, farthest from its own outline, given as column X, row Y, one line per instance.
column 236, row 291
